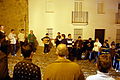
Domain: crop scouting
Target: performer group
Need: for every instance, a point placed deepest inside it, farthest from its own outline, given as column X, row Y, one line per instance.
column 78, row 49
column 85, row 49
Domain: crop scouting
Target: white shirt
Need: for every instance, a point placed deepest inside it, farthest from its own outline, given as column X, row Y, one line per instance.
column 97, row 46
column 100, row 76
column 12, row 38
column 21, row 37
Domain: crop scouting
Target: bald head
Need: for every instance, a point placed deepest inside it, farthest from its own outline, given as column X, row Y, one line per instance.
column 62, row 50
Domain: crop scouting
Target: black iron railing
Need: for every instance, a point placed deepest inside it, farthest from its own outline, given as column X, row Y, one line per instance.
column 79, row 17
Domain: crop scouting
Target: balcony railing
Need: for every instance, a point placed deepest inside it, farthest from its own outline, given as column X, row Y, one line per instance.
column 79, row 17
column 117, row 18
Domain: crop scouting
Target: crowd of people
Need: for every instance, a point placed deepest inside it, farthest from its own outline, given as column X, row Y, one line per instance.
column 68, row 50
column 85, row 49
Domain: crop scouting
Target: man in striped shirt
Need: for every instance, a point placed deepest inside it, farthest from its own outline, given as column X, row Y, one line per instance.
column 70, row 44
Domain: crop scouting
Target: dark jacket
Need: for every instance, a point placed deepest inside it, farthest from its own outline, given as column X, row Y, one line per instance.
column 4, row 75
column 4, row 66
column 78, row 44
column 64, row 41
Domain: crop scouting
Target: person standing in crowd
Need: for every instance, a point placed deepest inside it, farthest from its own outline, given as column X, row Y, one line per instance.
column 70, row 43
column 64, row 40
column 31, row 40
column 78, row 47
column 62, row 68
column 112, row 53
column 58, row 39
column 4, row 51
column 103, row 65
column 89, row 46
column 96, row 49
column 46, row 41
column 12, row 37
column 21, row 37
column 25, row 69
column 107, row 44
column 104, row 45
column 117, row 60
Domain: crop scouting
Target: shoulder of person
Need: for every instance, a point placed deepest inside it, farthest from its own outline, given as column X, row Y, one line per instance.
column 91, row 77
column 35, row 66
column 75, row 65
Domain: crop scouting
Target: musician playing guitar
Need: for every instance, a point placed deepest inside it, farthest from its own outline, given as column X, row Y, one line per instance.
column 46, row 41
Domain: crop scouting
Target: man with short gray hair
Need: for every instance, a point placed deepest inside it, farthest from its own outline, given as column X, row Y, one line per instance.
column 62, row 68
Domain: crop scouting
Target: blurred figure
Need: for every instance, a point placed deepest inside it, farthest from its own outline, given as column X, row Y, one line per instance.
column 103, row 65
column 113, row 43
column 106, row 43
column 96, row 49
column 31, row 40
column 64, row 40
column 62, row 68
column 2, row 29
column 70, row 43
column 117, row 60
column 117, row 45
column 4, row 51
column 13, row 40
column 89, row 47
column 46, row 41
column 97, row 45
column 21, row 38
column 58, row 39
column 78, row 45
column 25, row 69
column 112, row 53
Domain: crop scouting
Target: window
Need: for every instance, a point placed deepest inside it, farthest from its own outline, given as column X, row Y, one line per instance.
column 118, row 15
column 78, row 15
column 50, row 32
column 77, row 6
column 100, row 8
column 49, row 6
column 118, row 36
column 77, row 32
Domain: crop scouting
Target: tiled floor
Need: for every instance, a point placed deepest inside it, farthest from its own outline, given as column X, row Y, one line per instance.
column 42, row 60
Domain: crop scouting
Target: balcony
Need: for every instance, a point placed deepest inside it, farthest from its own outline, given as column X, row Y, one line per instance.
column 117, row 18
column 79, row 17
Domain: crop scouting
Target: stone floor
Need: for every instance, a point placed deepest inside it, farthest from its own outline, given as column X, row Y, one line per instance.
column 42, row 60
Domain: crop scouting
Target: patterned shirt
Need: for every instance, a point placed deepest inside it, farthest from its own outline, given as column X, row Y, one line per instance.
column 26, row 70
column 70, row 42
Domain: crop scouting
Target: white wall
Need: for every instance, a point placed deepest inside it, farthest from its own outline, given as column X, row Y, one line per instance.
column 60, row 20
